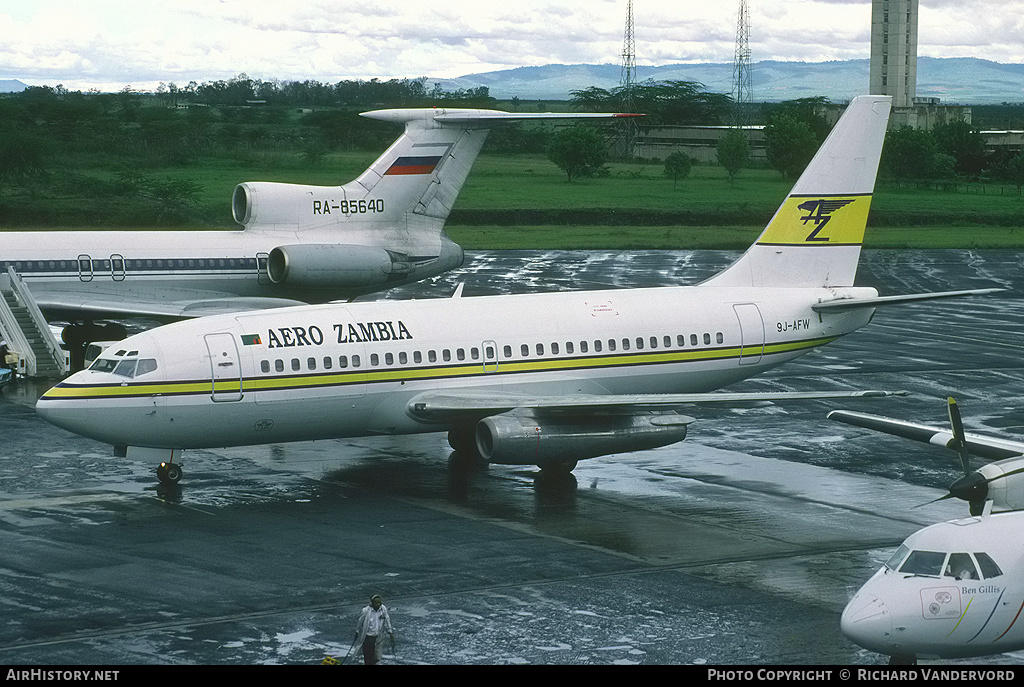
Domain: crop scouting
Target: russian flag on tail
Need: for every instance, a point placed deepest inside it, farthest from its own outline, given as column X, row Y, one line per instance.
column 413, row 164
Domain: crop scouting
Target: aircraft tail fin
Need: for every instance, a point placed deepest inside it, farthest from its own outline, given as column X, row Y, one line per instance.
column 815, row 237
column 424, row 170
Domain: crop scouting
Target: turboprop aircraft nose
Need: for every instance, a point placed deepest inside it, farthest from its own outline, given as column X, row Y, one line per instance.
column 867, row 622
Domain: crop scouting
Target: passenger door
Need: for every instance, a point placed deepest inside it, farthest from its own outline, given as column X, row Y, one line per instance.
column 751, row 333
column 225, row 370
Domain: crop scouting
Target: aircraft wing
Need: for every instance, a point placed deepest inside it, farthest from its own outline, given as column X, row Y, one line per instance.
column 990, row 448
column 440, row 407
column 78, row 305
column 854, row 303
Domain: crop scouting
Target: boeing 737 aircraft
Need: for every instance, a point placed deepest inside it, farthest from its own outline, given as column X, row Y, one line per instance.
column 952, row 590
column 1000, row 482
column 299, row 244
column 543, row 379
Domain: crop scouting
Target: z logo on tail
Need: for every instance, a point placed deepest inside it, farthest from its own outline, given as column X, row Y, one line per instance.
column 820, row 212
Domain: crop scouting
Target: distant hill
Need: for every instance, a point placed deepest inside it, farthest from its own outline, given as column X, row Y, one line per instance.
column 11, row 86
column 968, row 81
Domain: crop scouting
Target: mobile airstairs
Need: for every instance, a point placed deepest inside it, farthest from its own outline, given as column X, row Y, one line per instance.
column 33, row 347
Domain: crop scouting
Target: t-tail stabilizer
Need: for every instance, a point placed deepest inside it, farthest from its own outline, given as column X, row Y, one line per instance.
column 387, row 226
column 412, row 186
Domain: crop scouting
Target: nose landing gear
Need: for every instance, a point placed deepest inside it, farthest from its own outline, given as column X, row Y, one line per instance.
column 169, row 473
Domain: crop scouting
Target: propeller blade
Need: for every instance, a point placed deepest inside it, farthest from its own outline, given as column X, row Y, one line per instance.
column 959, row 442
column 941, row 498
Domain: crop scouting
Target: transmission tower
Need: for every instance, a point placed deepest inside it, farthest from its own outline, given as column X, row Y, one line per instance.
column 627, row 82
column 741, row 91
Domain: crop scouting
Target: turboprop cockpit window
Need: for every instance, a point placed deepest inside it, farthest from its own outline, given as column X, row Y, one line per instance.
column 961, row 566
column 894, row 560
column 924, row 563
column 988, row 566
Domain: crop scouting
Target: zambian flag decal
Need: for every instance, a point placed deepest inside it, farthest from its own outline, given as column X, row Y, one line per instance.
column 251, row 340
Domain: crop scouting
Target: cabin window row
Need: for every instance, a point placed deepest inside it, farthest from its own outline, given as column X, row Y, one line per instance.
column 295, row 365
column 105, row 264
column 473, row 353
column 625, row 344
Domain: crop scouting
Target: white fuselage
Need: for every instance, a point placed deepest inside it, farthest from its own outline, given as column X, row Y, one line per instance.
column 347, row 370
column 953, row 590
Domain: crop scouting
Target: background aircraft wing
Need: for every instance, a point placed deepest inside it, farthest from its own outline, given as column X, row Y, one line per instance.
column 990, row 448
column 464, row 407
column 79, row 305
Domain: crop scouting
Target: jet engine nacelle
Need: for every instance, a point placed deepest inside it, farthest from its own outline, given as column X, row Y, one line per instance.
column 517, row 440
column 332, row 265
column 267, row 202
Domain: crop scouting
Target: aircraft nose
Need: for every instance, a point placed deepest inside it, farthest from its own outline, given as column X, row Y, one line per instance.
column 58, row 406
column 867, row 622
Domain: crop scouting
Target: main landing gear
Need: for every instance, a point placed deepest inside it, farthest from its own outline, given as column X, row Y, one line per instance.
column 169, row 473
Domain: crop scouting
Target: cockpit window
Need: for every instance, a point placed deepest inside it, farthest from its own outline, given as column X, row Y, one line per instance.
column 103, row 365
column 145, row 365
column 961, row 566
column 988, row 566
column 894, row 560
column 125, row 368
column 924, row 563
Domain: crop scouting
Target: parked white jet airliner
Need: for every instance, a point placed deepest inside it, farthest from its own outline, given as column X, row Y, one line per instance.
column 542, row 379
column 952, row 590
column 299, row 244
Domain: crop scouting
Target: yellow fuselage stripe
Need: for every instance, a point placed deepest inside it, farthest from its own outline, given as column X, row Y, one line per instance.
column 398, row 374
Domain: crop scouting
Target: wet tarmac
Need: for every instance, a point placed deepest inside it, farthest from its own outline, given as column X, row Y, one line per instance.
column 740, row 545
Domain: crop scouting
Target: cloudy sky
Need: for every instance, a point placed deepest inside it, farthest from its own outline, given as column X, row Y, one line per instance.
column 108, row 44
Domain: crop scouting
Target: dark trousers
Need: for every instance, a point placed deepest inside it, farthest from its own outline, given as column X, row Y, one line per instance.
column 370, row 650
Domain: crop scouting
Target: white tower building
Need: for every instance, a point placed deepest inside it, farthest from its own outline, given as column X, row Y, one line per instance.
column 894, row 50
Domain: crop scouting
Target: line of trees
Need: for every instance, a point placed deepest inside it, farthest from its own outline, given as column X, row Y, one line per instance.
column 662, row 102
column 948, row 154
column 88, row 151
column 85, row 157
column 242, row 90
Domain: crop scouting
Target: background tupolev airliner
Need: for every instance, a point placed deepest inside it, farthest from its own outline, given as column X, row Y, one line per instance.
column 298, row 244
column 543, row 379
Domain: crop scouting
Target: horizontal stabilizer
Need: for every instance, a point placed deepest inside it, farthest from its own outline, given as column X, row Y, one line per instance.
column 438, row 407
column 990, row 448
column 856, row 303
column 460, row 116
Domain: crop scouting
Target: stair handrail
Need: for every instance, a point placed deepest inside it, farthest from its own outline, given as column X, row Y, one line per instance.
column 53, row 349
column 12, row 334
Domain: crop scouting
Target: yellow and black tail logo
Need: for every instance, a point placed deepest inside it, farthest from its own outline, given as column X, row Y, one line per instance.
column 819, row 221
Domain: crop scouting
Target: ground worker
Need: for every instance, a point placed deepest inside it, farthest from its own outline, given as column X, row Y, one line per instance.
column 374, row 621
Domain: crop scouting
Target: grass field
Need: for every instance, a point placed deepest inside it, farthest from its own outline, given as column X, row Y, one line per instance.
column 633, row 206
